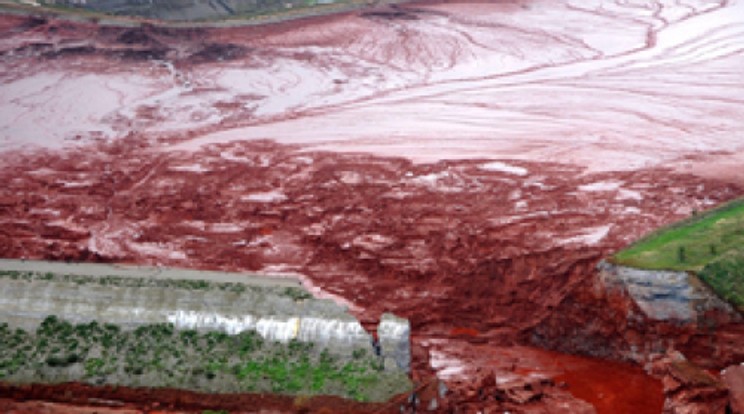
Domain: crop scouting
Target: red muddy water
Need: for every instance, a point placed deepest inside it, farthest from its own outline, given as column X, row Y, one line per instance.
column 462, row 164
column 598, row 382
column 611, row 387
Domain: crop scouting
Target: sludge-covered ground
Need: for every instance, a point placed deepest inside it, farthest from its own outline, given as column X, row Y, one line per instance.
column 466, row 167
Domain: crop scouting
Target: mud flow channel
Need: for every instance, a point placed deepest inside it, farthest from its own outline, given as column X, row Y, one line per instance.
column 463, row 165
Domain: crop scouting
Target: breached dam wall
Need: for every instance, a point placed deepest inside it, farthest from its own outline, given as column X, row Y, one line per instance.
column 279, row 312
column 663, row 294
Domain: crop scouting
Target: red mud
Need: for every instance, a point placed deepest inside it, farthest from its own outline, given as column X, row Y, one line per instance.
column 598, row 383
column 121, row 400
column 455, row 254
column 611, row 387
column 9, row 406
column 162, row 164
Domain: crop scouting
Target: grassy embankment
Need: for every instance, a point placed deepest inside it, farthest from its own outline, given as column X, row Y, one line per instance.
column 159, row 356
column 710, row 244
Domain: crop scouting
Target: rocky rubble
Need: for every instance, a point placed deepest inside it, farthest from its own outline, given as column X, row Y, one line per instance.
column 524, row 394
column 689, row 389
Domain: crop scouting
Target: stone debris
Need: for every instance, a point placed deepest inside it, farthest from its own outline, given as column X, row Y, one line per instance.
column 688, row 388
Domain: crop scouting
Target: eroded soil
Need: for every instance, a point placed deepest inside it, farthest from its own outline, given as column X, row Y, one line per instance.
column 461, row 250
column 426, row 161
column 76, row 398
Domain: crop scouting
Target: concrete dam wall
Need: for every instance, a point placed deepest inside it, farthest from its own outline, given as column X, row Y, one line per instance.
column 277, row 309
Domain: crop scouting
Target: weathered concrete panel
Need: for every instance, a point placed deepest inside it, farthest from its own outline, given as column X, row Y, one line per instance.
column 663, row 295
column 278, row 312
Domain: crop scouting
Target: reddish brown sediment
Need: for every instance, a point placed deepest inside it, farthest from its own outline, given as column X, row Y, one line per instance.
column 69, row 397
column 450, row 246
column 10, row 406
column 592, row 380
column 689, row 388
column 358, row 151
column 733, row 377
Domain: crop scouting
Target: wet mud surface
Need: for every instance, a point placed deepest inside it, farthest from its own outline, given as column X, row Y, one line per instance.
column 463, row 251
column 74, row 398
column 426, row 161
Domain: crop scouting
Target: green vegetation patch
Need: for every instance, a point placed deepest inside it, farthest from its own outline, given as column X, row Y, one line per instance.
column 690, row 244
column 710, row 244
column 725, row 276
column 159, row 356
column 295, row 293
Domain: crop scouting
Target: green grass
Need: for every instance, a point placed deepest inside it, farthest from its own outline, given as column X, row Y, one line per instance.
column 726, row 277
column 691, row 244
column 710, row 244
column 159, row 356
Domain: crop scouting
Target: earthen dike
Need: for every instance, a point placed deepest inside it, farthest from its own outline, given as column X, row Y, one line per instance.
column 493, row 262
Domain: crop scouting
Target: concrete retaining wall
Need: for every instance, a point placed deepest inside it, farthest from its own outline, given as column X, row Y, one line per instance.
column 281, row 312
column 664, row 295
